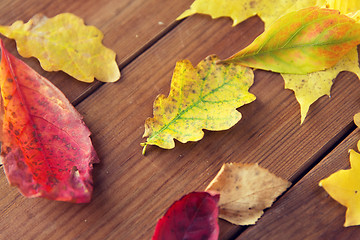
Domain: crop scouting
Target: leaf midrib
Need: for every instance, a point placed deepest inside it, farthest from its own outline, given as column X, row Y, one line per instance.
column 12, row 73
column 259, row 52
column 201, row 99
column 31, row 117
column 195, row 216
column 289, row 48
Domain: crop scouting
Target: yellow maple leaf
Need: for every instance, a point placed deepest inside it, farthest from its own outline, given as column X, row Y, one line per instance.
column 245, row 191
column 240, row 10
column 65, row 43
column 310, row 87
column 344, row 187
column 201, row 97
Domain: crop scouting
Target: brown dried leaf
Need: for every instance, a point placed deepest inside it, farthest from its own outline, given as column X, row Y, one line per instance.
column 245, row 191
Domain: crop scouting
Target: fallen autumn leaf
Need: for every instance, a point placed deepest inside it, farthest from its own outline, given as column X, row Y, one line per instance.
column 193, row 217
column 46, row 149
column 65, row 43
column 344, row 187
column 201, row 97
column 301, row 42
column 245, row 191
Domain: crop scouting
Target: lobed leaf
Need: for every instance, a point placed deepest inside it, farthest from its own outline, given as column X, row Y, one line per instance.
column 240, row 10
column 344, row 6
column 204, row 97
column 344, row 187
column 310, row 87
column 357, row 123
column 46, row 150
column 245, row 191
column 65, row 43
column 192, row 217
column 355, row 16
column 309, row 40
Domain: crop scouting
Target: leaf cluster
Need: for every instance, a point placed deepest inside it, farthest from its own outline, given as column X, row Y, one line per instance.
column 309, row 47
column 308, row 42
column 239, row 193
column 46, row 150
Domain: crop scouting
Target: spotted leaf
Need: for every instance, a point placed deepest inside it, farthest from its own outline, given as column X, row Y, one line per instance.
column 245, row 191
column 46, row 150
column 310, row 87
column 201, row 97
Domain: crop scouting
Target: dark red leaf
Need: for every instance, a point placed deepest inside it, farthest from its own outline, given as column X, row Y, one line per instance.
column 46, row 150
column 193, row 217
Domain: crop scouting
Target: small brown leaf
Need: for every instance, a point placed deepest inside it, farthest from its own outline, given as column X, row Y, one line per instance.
column 245, row 191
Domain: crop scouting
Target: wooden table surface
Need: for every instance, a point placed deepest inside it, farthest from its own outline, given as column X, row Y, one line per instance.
column 132, row 191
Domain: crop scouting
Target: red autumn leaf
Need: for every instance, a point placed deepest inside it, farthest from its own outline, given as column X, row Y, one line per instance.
column 193, row 217
column 46, row 150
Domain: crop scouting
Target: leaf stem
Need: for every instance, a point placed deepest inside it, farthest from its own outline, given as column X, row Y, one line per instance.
column 144, row 145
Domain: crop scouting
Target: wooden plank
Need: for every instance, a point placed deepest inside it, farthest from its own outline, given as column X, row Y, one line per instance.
column 129, row 26
column 306, row 211
column 131, row 190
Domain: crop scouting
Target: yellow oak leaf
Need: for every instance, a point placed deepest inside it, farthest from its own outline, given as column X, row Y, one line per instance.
column 355, row 16
column 357, row 119
column 344, row 6
column 245, row 191
column 65, row 43
column 310, row 87
column 357, row 122
column 240, row 10
column 201, row 97
column 344, row 187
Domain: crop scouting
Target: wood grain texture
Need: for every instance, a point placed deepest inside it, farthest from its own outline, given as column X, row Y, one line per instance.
column 129, row 27
column 269, row 133
column 122, row 107
column 133, row 191
column 306, row 211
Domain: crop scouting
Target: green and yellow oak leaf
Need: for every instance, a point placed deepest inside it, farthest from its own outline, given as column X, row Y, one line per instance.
column 310, row 87
column 301, row 42
column 201, row 97
column 65, row 43
column 240, row 10
column 344, row 187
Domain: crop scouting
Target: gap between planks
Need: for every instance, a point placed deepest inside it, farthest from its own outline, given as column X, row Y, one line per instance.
column 97, row 84
column 316, row 159
column 322, row 153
